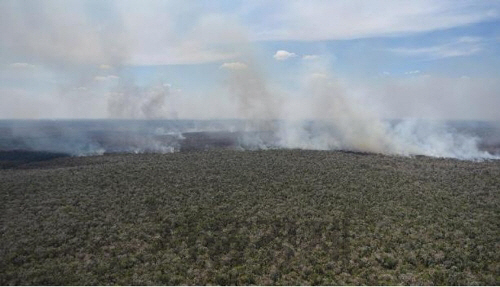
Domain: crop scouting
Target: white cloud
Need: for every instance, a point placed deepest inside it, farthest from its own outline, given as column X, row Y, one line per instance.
column 282, row 55
column 105, row 78
column 310, row 57
column 352, row 19
column 21, row 65
column 412, row 72
column 234, row 66
column 464, row 46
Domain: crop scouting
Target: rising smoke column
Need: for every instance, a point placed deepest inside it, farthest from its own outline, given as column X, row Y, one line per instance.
column 132, row 102
column 255, row 102
column 355, row 127
column 337, row 119
column 342, row 121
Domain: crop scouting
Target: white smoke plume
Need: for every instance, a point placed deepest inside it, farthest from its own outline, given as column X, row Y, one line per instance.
column 343, row 122
column 337, row 119
column 87, row 58
column 255, row 101
column 132, row 102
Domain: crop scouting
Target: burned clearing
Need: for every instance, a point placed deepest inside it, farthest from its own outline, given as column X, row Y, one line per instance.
column 250, row 217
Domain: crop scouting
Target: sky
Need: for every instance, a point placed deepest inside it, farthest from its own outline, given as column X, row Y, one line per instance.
column 215, row 59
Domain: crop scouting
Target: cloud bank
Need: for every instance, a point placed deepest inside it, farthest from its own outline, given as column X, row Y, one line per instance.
column 464, row 46
column 340, row 20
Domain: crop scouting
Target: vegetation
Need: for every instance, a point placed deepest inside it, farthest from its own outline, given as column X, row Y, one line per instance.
column 15, row 158
column 253, row 217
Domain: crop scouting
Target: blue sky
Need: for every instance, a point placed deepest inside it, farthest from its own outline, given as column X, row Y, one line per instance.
column 75, row 59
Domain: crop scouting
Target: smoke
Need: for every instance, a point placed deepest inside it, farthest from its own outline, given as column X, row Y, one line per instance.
column 343, row 121
column 78, row 51
column 55, row 34
column 354, row 127
column 340, row 119
column 248, row 87
column 74, row 51
column 132, row 102
column 436, row 139
column 86, row 56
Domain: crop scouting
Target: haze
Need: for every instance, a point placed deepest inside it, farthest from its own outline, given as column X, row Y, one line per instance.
column 107, row 59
